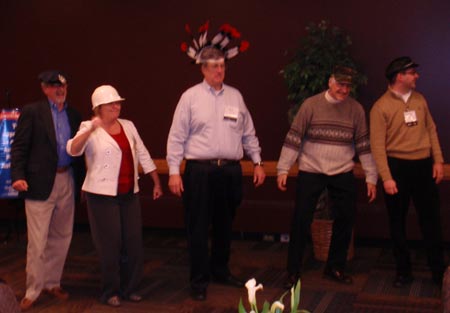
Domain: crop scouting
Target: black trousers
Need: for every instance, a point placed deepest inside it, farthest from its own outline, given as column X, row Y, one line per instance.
column 415, row 181
column 342, row 190
column 211, row 196
column 116, row 228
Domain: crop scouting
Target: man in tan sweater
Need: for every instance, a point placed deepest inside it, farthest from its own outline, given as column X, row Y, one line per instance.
column 407, row 152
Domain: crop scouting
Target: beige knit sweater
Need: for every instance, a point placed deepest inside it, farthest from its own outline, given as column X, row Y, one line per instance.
column 391, row 137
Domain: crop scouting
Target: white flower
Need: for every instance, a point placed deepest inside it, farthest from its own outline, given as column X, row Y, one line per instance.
column 252, row 289
column 276, row 305
column 292, row 297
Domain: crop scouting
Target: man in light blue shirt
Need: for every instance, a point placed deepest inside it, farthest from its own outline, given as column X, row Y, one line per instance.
column 211, row 129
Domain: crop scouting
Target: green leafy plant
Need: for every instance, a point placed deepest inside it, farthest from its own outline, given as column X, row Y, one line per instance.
column 321, row 49
column 277, row 306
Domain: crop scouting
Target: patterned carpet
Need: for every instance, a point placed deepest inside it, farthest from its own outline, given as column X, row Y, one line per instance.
column 165, row 287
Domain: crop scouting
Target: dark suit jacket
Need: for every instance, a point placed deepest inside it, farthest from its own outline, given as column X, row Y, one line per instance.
column 33, row 153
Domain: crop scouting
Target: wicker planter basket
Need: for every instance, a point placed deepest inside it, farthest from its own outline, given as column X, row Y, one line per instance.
column 321, row 231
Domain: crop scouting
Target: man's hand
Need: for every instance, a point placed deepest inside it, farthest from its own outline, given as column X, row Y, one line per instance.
column 176, row 185
column 371, row 191
column 438, row 172
column 157, row 192
column 390, row 186
column 258, row 176
column 281, row 182
column 20, row 185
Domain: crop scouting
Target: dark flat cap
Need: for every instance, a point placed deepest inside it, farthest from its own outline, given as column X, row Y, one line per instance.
column 53, row 77
column 343, row 74
column 398, row 65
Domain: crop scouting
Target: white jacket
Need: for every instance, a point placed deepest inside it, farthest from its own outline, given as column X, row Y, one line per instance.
column 103, row 158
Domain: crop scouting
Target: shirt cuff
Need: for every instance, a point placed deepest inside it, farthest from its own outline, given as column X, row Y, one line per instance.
column 174, row 170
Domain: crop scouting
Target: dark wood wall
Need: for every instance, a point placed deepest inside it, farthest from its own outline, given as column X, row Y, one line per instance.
column 134, row 45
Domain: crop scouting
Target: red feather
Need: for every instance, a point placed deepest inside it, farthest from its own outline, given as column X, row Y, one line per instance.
column 244, row 45
column 225, row 28
column 234, row 33
column 204, row 27
column 187, row 28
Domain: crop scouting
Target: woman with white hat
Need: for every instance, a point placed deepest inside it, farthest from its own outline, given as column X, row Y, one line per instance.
column 113, row 149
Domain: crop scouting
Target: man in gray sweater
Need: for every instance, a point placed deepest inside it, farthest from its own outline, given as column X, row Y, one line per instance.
column 324, row 136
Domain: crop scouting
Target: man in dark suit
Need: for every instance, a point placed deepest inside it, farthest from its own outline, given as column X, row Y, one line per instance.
column 41, row 170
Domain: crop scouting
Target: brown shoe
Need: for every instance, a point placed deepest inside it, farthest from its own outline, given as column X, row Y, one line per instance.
column 58, row 292
column 26, row 304
column 114, row 301
column 337, row 276
column 134, row 297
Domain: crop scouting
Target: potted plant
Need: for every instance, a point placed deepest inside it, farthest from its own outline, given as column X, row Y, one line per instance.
column 320, row 50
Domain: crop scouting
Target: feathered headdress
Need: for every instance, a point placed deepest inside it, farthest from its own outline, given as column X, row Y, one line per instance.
column 226, row 35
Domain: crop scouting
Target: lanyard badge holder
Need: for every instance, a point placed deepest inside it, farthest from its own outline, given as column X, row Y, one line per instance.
column 410, row 118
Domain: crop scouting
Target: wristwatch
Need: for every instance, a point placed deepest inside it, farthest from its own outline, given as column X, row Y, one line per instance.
column 260, row 163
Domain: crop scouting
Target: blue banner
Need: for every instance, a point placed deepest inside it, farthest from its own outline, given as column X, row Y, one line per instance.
column 8, row 123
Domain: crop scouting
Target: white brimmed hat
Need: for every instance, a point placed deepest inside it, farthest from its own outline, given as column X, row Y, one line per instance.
column 103, row 95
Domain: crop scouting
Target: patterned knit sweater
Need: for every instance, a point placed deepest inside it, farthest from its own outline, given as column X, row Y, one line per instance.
column 325, row 136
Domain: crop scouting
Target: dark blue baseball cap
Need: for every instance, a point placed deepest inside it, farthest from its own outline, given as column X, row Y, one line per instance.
column 53, row 77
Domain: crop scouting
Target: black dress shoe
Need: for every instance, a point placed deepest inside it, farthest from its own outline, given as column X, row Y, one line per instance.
column 337, row 276
column 229, row 280
column 198, row 294
column 402, row 280
column 291, row 280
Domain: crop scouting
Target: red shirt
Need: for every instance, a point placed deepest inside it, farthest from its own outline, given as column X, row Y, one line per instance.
column 126, row 173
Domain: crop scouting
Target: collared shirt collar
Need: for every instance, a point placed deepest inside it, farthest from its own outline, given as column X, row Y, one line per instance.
column 212, row 90
column 330, row 98
column 54, row 106
column 404, row 97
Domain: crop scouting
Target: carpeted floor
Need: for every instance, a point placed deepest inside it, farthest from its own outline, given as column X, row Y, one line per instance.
column 165, row 285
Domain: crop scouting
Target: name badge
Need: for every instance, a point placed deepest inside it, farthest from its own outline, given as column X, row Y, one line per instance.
column 410, row 118
column 231, row 113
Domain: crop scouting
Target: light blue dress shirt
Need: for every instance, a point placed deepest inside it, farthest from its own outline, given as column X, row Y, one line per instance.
column 211, row 124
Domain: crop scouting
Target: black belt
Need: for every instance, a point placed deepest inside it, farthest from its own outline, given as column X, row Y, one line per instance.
column 215, row 162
